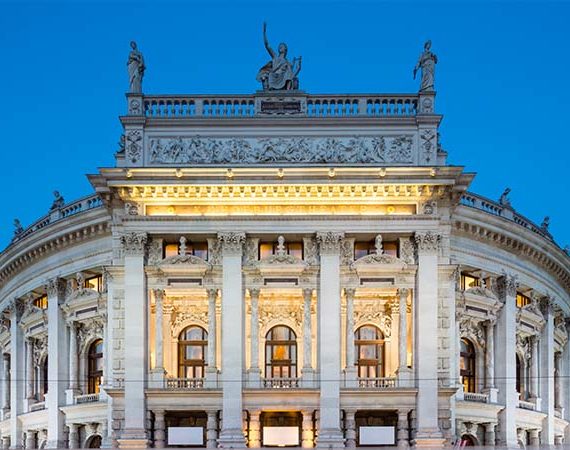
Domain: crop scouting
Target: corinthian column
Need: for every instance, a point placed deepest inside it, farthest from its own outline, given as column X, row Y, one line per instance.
column 490, row 389
column 534, row 394
column 404, row 373
column 29, row 369
column 254, row 372
column 307, row 371
column 6, row 382
column 547, row 371
column 212, row 370
column 158, row 371
column 73, row 358
column 231, row 434
column 427, row 426
column 330, row 434
column 350, row 371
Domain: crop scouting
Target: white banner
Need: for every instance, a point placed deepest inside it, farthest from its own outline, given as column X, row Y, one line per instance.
column 185, row 436
column 377, row 436
column 280, row 436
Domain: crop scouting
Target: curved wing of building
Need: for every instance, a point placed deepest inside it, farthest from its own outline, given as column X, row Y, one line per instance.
column 283, row 269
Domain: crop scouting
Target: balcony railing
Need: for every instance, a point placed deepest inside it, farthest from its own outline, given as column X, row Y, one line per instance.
column 37, row 406
column 475, row 397
column 281, row 383
column 224, row 106
column 184, row 383
column 496, row 209
column 87, row 398
column 377, row 383
column 527, row 405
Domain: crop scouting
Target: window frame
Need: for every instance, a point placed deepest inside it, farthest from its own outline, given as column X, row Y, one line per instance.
column 94, row 376
column 271, row 363
column 365, row 365
column 469, row 374
column 196, row 365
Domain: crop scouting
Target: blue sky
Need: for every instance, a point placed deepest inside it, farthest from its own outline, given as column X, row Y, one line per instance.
column 502, row 82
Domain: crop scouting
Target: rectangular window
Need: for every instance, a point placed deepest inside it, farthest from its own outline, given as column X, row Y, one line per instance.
column 267, row 249
column 363, row 248
column 199, row 249
column 170, row 250
column 94, row 283
column 522, row 300
column 469, row 281
column 41, row 302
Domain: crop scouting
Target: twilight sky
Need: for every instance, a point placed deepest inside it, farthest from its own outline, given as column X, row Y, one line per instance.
column 502, row 82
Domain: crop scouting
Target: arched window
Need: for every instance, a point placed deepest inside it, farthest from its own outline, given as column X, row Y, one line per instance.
column 467, row 365
column 94, row 366
column 192, row 352
column 45, row 376
column 520, row 374
column 281, row 353
column 369, row 352
column 94, row 441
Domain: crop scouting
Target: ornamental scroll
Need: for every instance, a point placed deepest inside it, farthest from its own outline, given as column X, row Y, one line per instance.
column 394, row 149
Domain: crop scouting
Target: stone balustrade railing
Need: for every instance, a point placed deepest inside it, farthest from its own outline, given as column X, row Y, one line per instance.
column 87, row 398
column 281, row 383
column 37, row 406
column 378, row 383
column 489, row 206
column 70, row 209
column 523, row 404
column 184, row 383
column 239, row 106
column 475, row 397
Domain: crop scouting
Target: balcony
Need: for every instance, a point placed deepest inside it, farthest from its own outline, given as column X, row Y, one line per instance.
column 87, row 398
column 184, row 383
column 523, row 404
column 378, row 383
column 281, row 383
column 475, row 397
column 37, row 406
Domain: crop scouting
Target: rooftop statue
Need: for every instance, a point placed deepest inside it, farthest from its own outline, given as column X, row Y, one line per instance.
column 18, row 228
column 58, row 201
column 504, row 200
column 545, row 224
column 136, row 68
column 279, row 74
column 426, row 63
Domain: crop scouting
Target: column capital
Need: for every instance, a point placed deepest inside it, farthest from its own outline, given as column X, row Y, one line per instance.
column 158, row 295
column 427, row 242
column 231, row 242
column 17, row 306
column 254, row 293
column 308, row 294
column 134, row 244
column 56, row 288
column 403, row 292
column 350, row 292
column 212, row 294
column 507, row 285
column 547, row 304
column 329, row 242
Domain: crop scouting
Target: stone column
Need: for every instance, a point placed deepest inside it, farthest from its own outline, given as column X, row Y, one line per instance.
column 350, row 428
column 254, row 432
column 404, row 373
column 212, row 429
column 58, row 364
column 505, row 360
column 158, row 330
column 557, row 380
column 307, row 370
column 330, row 434
column 534, row 438
column 254, row 371
column 427, row 430
column 17, row 373
column 307, row 433
column 212, row 369
column 29, row 370
column 73, row 361
column 490, row 388
column 31, row 438
column 73, row 435
column 159, row 429
column 350, row 371
column 136, row 305
column 6, row 382
column 403, row 439
column 534, row 363
column 489, row 434
column 547, row 372
column 231, row 434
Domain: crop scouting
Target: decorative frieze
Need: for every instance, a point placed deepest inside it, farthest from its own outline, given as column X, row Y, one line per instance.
column 329, row 242
column 311, row 251
column 395, row 149
column 89, row 330
column 197, row 314
column 134, row 243
column 471, row 327
column 428, row 242
column 231, row 243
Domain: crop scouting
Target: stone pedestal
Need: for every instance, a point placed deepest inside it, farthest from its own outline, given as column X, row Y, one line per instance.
column 402, row 435
column 212, row 430
column 534, row 438
column 159, row 429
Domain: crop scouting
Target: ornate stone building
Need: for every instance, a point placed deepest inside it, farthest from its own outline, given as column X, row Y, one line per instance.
column 283, row 269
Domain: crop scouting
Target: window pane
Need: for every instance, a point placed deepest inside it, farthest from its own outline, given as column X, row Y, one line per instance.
column 265, row 250
column 295, row 249
column 390, row 248
column 170, row 250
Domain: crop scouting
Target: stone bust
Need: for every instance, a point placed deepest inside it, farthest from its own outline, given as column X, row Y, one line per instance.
column 426, row 63
column 279, row 73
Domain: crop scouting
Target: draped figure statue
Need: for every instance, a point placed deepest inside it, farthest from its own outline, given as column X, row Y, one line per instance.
column 136, row 68
column 426, row 63
column 279, row 73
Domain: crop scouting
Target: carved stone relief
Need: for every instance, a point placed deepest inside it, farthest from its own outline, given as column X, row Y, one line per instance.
column 269, row 312
column 370, row 312
column 134, row 145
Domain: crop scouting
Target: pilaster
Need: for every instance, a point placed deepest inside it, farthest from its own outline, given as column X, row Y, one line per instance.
column 17, row 373
column 212, row 369
column 254, row 373
column 158, row 373
column 350, row 370
column 404, row 373
column 307, row 371
column 547, row 372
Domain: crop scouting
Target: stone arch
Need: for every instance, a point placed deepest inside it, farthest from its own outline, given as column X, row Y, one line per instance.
column 193, row 322
column 93, row 441
column 471, row 439
column 479, row 357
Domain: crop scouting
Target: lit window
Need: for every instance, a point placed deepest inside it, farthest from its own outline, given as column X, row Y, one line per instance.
column 469, row 281
column 192, row 352
column 41, row 302
column 199, row 249
column 95, row 366
column 281, row 353
column 363, row 248
column 94, row 283
column 267, row 249
column 369, row 352
column 522, row 300
column 170, row 250
column 467, row 365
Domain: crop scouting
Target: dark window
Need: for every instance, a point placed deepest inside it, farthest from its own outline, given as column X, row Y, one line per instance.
column 520, row 374
column 94, row 366
column 45, row 376
column 192, row 352
column 363, row 248
column 467, row 365
column 369, row 352
column 280, row 353
column 267, row 249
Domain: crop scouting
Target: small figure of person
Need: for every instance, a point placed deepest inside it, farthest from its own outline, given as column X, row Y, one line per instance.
column 279, row 73
column 136, row 68
column 426, row 63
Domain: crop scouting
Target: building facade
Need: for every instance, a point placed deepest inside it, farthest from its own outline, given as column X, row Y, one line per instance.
column 283, row 269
